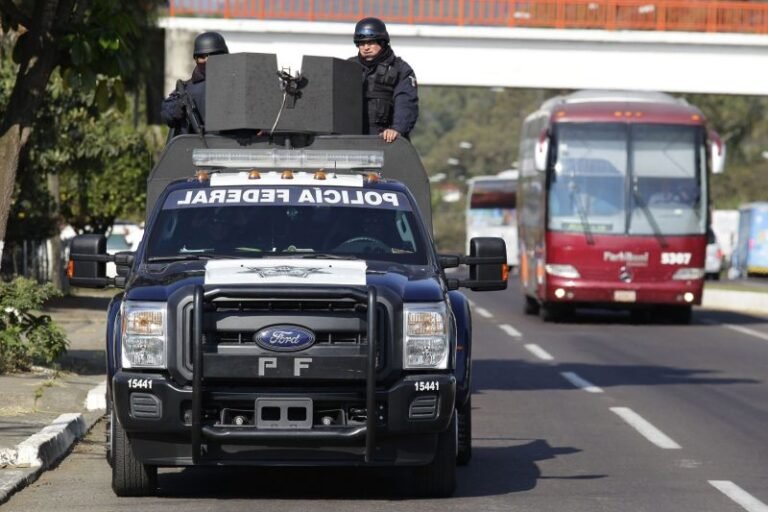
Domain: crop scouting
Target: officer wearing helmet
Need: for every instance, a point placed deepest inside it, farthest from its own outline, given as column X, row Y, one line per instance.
column 389, row 84
column 173, row 110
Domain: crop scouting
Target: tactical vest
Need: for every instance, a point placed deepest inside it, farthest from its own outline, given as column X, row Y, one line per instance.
column 380, row 92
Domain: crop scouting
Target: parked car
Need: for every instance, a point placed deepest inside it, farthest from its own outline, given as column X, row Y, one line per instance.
column 714, row 262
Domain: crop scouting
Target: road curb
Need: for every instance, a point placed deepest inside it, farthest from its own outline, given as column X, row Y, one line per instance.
column 43, row 450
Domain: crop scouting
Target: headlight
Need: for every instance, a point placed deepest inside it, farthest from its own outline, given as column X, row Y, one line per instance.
column 426, row 343
column 565, row 271
column 144, row 335
column 688, row 274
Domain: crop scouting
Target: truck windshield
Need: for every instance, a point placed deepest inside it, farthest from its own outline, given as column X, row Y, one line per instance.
column 213, row 227
column 640, row 179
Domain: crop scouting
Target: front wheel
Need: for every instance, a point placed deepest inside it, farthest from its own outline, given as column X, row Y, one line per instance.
column 438, row 478
column 531, row 306
column 129, row 476
column 464, row 418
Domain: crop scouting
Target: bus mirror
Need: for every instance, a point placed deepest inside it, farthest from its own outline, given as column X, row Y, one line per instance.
column 717, row 153
column 541, row 152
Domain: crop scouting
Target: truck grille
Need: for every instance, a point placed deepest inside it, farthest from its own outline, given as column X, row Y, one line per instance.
column 335, row 323
column 321, row 338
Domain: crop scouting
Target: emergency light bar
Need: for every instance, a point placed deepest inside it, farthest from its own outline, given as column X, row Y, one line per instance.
column 287, row 159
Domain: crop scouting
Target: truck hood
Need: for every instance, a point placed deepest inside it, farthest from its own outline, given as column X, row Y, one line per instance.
column 412, row 283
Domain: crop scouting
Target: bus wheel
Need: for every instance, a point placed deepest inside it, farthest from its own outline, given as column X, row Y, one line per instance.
column 681, row 315
column 550, row 312
column 531, row 306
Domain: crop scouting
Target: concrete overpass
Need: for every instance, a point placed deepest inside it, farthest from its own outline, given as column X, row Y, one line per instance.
column 503, row 56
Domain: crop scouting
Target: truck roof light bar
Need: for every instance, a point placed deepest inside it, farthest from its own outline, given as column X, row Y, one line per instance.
column 287, row 159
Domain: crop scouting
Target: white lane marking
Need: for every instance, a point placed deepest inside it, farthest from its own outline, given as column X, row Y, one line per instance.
column 646, row 429
column 581, row 383
column 739, row 495
column 97, row 398
column 747, row 331
column 538, row 352
column 510, row 330
column 483, row 312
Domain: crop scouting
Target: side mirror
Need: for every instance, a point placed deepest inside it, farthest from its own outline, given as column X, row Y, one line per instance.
column 716, row 153
column 487, row 260
column 541, row 152
column 87, row 266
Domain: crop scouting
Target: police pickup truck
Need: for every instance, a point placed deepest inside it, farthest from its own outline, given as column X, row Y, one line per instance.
column 287, row 306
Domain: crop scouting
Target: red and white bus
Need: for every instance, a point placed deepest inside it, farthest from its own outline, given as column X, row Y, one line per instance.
column 613, row 203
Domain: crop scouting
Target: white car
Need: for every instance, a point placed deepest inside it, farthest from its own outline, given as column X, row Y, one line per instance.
column 713, row 264
column 115, row 243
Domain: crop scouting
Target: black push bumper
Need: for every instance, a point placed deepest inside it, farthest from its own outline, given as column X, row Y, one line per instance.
column 158, row 421
column 368, row 424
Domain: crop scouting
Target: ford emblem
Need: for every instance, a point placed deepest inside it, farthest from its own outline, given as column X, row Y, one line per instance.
column 284, row 338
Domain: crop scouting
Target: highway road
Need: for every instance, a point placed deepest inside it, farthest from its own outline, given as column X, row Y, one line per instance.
column 596, row 414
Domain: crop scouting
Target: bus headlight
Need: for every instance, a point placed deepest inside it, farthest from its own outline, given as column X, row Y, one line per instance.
column 688, row 274
column 144, row 335
column 425, row 336
column 566, row 271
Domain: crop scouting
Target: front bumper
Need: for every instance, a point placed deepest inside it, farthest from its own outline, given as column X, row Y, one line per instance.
column 582, row 291
column 157, row 415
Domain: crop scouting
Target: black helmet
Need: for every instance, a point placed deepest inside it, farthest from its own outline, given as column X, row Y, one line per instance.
column 210, row 43
column 371, row 29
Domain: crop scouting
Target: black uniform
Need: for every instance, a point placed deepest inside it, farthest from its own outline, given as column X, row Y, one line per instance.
column 390, row 93
column 173, row 111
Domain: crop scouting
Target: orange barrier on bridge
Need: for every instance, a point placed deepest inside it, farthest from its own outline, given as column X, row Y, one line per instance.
column 665, row 15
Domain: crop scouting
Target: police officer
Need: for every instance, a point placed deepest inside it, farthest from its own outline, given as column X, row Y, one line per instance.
column 389, row 84
column 173, row 110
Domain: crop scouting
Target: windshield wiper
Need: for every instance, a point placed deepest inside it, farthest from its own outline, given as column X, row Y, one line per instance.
column 572, row 189
column 185, row 257
column 321, row 256
column 651, row 219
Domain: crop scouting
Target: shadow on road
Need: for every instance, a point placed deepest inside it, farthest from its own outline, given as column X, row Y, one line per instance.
column 519, row 375
column 494, row 470
column 701, row 318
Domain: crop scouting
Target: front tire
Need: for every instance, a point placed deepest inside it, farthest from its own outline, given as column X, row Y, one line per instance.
column 110, row 434
column 129, row 476
column 438, row 478
column 464, row 418
column 531, row 306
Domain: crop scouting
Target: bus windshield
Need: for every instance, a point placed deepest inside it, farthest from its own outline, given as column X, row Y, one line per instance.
column 640, row 179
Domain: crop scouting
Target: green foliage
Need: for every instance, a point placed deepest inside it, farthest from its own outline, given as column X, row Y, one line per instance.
column 100, row 44
column 102, row 158
column 26, row 338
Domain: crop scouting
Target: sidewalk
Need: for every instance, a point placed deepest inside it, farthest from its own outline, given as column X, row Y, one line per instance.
column 43, row 412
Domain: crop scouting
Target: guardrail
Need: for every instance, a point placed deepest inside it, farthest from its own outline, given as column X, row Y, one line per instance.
column 664, row 15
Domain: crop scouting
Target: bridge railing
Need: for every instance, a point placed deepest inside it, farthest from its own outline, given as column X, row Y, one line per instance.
column 663, row 15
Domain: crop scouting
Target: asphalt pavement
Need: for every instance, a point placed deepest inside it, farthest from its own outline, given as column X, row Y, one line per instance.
column 44, row 412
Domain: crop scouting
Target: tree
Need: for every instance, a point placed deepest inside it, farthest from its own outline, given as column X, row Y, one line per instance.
column 95, row 43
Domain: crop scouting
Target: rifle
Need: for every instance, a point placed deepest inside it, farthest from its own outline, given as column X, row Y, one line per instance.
column 193, row 114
